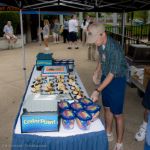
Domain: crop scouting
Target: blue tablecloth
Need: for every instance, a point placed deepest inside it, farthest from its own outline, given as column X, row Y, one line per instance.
column 88, row 141
column 146, row 147
column 147, row 140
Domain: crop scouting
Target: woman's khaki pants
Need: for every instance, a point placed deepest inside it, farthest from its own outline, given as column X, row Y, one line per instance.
column 92, row 52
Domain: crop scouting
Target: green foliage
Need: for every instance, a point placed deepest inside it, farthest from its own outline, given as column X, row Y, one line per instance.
column 91, row 14
column 136, row 31
column 9, row 16
column 143, row 15
column 140, row 14
column 142, row 30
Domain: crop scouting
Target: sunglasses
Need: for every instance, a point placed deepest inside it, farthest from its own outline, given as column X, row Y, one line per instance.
column 90, row 33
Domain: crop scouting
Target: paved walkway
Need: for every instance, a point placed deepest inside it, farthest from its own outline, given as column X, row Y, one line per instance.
column 12, row 88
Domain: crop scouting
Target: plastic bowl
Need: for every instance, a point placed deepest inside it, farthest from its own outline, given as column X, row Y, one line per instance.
column 76, row 106
column 94, row 110
column 86, row 102
column 68, row 119
column 83, row 119
column 63, row 105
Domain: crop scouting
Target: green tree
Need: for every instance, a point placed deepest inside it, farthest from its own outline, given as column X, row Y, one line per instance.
column 91, row 14
column 142, row 15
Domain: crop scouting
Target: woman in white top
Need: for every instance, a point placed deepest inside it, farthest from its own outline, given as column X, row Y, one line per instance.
column 84, row 26
column 46, row 33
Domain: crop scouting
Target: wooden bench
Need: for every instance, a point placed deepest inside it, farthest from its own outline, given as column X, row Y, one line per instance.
column 5, row 45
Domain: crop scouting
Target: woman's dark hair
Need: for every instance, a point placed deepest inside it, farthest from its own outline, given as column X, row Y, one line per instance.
column 84, row 22
column 72, row 16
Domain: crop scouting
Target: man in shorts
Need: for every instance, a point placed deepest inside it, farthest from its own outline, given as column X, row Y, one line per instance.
column 73, row 30
column 112, row 68
column 9, row 33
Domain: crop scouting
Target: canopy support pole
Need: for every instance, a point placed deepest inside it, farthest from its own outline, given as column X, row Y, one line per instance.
column 97, row 17
column 123, row 29
column 80, row 18
column 23, row 49
column 61, row 19
column 39, row 31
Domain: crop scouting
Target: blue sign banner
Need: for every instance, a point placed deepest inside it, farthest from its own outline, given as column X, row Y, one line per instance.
column 43, row 63
column 39, row 123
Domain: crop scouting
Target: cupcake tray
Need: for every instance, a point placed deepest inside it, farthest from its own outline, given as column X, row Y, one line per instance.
column 63, row 86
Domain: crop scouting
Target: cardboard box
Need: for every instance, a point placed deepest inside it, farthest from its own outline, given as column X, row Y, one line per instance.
column 146, row 75
column 39, row 122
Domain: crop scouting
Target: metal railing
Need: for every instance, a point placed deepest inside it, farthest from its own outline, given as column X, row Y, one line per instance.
column 139, row 32
column 133, row 35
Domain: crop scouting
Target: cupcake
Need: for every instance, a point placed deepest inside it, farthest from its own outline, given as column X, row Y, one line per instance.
column 71, row 76
column 39, row 78
column 75, row 92
column 78, row 96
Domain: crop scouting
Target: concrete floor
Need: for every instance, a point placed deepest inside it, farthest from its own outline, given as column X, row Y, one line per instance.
column 12, row 88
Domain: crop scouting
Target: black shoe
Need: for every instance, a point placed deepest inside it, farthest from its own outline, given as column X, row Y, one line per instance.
column 76, row 47
column 69, row 48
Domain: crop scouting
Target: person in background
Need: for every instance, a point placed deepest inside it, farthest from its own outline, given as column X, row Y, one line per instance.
column 92, row 48
column 87, row 21
column 88, row 18
column 140, row 135
column 9, row 34
column 113, row 69
column 46, row 33
column 73, row 32
column 66, row 30
column 39, row 34
column 84, row 26
column 56, row 31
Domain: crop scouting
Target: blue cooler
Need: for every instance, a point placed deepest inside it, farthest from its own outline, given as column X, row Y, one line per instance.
column 43, row 60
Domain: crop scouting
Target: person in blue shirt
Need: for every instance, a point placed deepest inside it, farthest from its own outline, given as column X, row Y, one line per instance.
column 9, row 33
column 56, row 31
column 66, row 30
column 112, row 68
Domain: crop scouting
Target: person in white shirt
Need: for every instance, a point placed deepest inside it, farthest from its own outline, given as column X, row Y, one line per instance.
column 9, row 33
column 84, row 26
column 46, row 33
column 73, row 30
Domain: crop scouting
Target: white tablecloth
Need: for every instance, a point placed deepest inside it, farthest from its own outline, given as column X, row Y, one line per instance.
column 94, row 127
